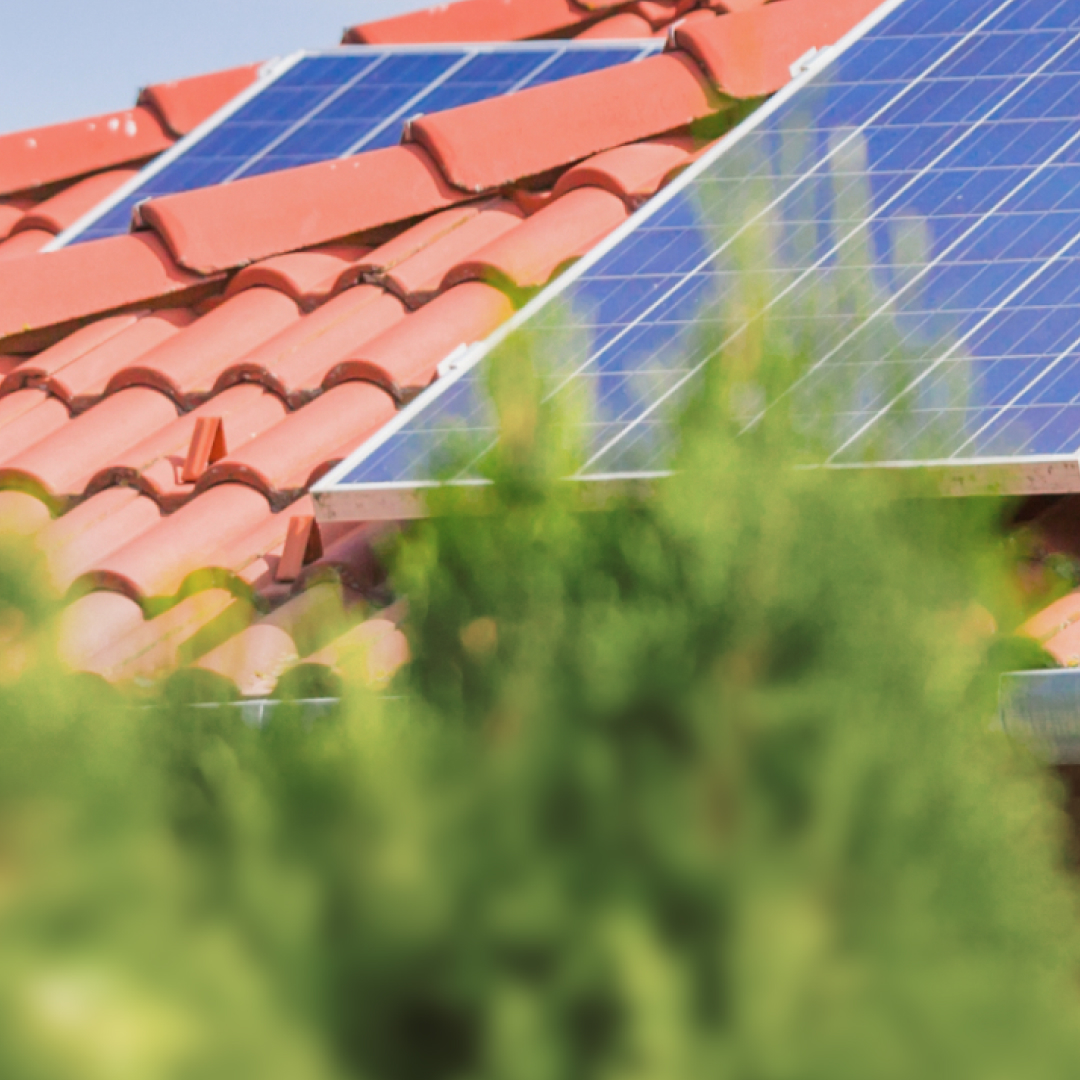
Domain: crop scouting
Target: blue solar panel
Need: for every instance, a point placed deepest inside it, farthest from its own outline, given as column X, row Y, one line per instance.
column 336, row 104
column 934, row 161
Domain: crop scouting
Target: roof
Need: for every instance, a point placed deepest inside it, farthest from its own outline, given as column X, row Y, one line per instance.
column 169, row 396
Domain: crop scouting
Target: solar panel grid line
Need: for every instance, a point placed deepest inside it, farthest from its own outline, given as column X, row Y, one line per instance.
column 1042, row 269
column 271, row 70
column 650, row 409
column 925, row 270
column 322, row 105
column 810, row 271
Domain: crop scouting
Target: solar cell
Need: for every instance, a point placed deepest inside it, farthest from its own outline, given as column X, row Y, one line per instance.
column 927, row 165
column 315, row 107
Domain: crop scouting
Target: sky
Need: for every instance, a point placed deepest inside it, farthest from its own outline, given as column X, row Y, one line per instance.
column 63, row 59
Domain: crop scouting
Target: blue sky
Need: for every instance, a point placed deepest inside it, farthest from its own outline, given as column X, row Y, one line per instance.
column 61, row 59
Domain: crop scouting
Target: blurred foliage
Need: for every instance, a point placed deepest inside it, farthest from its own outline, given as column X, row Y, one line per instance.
column 699, row 784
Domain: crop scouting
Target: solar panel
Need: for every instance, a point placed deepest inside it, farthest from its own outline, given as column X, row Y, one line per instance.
column 318, row 106
column 955, row 123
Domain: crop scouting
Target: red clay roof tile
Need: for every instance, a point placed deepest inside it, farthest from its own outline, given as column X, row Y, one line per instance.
column 411, row 241
column 1053, row 619
column 186, row 366
column 1064, row 646
column 155, row 465
column 406, row 357
column 155, row 647
column 37, row 417
column 480, row 147
column 255, row 658
column 52, row 292
column 472, row 20
column 22, row 514
column 750, row 54
column 255, row 553
column 295, row 362
column 247, row 354
column 11, row 213
column 77, row 370
column 91, row 622
column 32, row 159
column 527, row 258
column 25, row 242
column 185, row 103
column 635, row 173
column 376, row 647
column 219, row 228
column 661, row 12
column 283, row 460
column 625, row 25
column 732, row 7
column 193, row 541
column 62, row 463
column 93, row 530
column 350, row 556
column 309, row 277
column 206, row 446
column 62, row 211
column 12, row 406
column 418, row 279
column 303, row 544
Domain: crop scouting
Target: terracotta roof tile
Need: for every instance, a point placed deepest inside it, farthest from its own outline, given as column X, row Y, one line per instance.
column 22, row 514
column 35, row 416
column 376, row 648
column 625, row 25
column 635, row 173
column 55, row 291
column 418, row 279
column 61, row 464
column 72, row 544
column 32, row 159
column 411, row 241
column 92, row 621
column 26, row 242
column 255, row 658
column 187, row 366
column 285, row 460
column 309, row 277
column 77, row 370
column 152, row 648
column 473, row 20
column 750, row 54
column 11, row 213
column 479, row 147
column 223, row 227
column 294, row 363
column 1053, row 619
column 155, row 565
column 185, row 103
column 406, row 357
column 528, row 258
column 58, row 213
column 154, row 465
